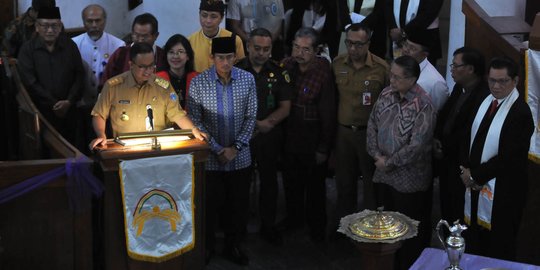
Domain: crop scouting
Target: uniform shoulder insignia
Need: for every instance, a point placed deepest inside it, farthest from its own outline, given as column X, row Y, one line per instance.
column 115, row 81
column 286, row 76
column 162, row 82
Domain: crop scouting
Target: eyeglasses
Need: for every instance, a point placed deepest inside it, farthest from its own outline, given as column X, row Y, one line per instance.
column 454, row 66
column 52, row 26
column 302, row 50
column 148, row 67
column 397, row 78
column 356, row 44
column 177, row 53
column 492, row 81
column 141, row 37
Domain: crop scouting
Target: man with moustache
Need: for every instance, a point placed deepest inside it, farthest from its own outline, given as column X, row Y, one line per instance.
column 494, row 165
column 417, row 46
column 360, row 78
column 274, row 103
column 23, row 28
column 95, row 46
column 51, row 70
column 126, row 98
column 143, row 29
column 400, row 134
column 222, row 101
column 309, row 135
column 468, row 72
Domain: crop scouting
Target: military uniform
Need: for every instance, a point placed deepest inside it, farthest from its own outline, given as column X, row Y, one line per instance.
column 125, row 103
column 17, row 32
column 358, row 90
column 272, row 87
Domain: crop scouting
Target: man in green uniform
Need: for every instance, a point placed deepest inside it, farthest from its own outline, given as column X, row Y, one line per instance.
column 274, row 103
column 360, row 78
column 137, row 100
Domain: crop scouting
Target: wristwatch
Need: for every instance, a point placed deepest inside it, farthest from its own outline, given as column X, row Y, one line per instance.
column 237, row 146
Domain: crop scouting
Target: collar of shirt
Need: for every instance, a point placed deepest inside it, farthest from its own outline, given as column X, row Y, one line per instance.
column 214, row 76
column 94, row 42
column 246, row 64
column 210, row 38
column 409, row 95
column 423, row 64
column 131, row 82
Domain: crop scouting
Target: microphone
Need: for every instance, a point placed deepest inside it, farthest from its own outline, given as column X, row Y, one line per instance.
column 150, row 117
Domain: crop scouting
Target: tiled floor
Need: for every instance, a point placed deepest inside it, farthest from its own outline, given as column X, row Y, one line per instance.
column 298, row 251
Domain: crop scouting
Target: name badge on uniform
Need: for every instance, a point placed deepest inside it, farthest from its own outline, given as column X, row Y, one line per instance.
column 124, row 101
column 366, row 95
column 366, row 98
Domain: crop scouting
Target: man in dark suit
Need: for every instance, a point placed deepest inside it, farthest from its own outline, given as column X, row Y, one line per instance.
column 468, row 71
column 403, row 17
column 495, row 168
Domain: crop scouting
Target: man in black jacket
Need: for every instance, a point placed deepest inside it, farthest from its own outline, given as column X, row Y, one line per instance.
column 467, row 70
column 494, row 169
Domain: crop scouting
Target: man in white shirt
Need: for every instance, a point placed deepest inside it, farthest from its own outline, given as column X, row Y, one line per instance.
column 430, row 79
column 95, row 46
column 246, row 15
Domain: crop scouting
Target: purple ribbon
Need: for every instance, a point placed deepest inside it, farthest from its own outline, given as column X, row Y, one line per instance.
column 80, row 186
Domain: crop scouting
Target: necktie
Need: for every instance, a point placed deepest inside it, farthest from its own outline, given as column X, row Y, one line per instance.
column 493, row 107
column 403, row 13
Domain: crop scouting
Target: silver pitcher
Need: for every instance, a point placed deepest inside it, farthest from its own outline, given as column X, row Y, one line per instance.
column 454, row 244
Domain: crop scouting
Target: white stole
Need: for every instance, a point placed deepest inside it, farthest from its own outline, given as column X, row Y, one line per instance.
column 491, row 149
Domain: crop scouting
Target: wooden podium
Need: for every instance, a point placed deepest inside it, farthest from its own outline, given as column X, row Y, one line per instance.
column 113, row 240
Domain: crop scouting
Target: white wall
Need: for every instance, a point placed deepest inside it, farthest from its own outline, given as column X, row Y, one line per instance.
column 174, row 16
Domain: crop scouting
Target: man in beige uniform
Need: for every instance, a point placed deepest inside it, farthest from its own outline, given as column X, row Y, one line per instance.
column 360, row 78
column 127, row 99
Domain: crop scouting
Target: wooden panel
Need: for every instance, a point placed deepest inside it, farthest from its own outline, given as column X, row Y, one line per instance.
column 7, row 10
column 482, row 33
column 38, row 229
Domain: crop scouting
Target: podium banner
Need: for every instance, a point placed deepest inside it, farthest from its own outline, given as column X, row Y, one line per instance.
column 532, row 91
column 157, row 196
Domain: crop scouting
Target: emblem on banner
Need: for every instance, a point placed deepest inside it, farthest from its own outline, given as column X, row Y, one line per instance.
column 140, row 215
column 157, row 198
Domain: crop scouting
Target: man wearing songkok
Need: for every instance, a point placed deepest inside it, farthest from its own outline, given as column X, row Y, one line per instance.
column 468, row 71
column 23, row 28
column 211, row 14
column 360, row 78
column 430, row 79
column 494, row 166
column 143, row 29
column 127, row 98
column 51, row 70
column 309, row 135
column 222, row 101
column 274, row 104
column 399, row 138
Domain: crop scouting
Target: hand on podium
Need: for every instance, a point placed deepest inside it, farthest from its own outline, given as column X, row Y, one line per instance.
column 101, row 140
